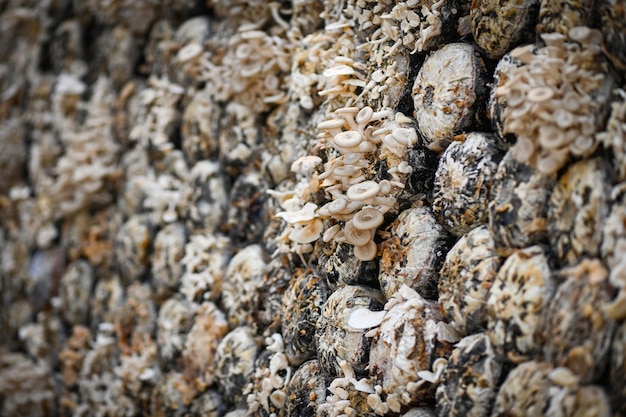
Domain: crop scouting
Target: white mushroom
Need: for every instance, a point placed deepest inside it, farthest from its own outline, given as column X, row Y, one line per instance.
column 331, row 232
column 336, row 206
column 333, row 126
column 364, row 115
column 348, row 113
column 367, row 219
column 405, row 136
column 304, row 215
column 309, row 233
column 338, row 70
column 363, row 318
column 356, row 236
column 540, row 94
column 189, row 52
column 348, row 139
column 366, row 252
column 363, row 191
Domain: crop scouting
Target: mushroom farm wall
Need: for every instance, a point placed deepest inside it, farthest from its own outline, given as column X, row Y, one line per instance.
column 312, row 208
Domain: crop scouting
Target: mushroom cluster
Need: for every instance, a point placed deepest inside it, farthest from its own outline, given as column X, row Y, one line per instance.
column 342, row 78
column 325, row 67
column 557, row 99
column 418, row 25
column 348, row 396
column 158, row 116
column 356, row 198
column 252, row 71
column 267, row 390
column 83, row 172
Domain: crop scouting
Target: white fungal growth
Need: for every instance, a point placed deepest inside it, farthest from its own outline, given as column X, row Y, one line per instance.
column 557, row 99
column 252, row 71
column 342, row 78
column 362, row 318
column 303, row 215
column 356, row 199
column 343, row 392
column 270, row 382
column 416, row 25
column 206, row 257
column 407, row 355
column 88, row 163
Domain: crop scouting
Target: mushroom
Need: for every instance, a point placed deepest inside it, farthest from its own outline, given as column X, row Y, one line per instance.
column 385, row 186
column 405, row 136
column 305, row 163
column 540, row 94
column 337, row 206
column 553, row 99
column 348, row 114
column 367, row 219
column 331, row 232
column 366, row 252
column 189, row 52
column 348, row 139
column 394, row 146
column 363, row 190
column 340, row 69
column 333, row 126
column 405, row 168
column 346, row 171
column 310, row 233
column 304, row 215
column 356, row 236
column 364, row 115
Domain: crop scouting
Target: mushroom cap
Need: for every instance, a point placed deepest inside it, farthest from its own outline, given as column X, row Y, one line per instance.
column 304, row 215
column 364, row 115
column 585, row 35
column 367, row 219
column 331, row 124
column 382, row 131
column 385, row 186
column 347, row 110
column 355, row 236
column 346, row 171
column 340, row 69
column 366, row 252
column 348, row 139
column 405, row 168
column 540, row 94
column 394, row 146
column 363, row 190
column 310, row 233
column 189, row 52
column 352, row 158
column 404, row 135
column 331, row 232
column 524, row 53
column 305, row 163
column 336, row 206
